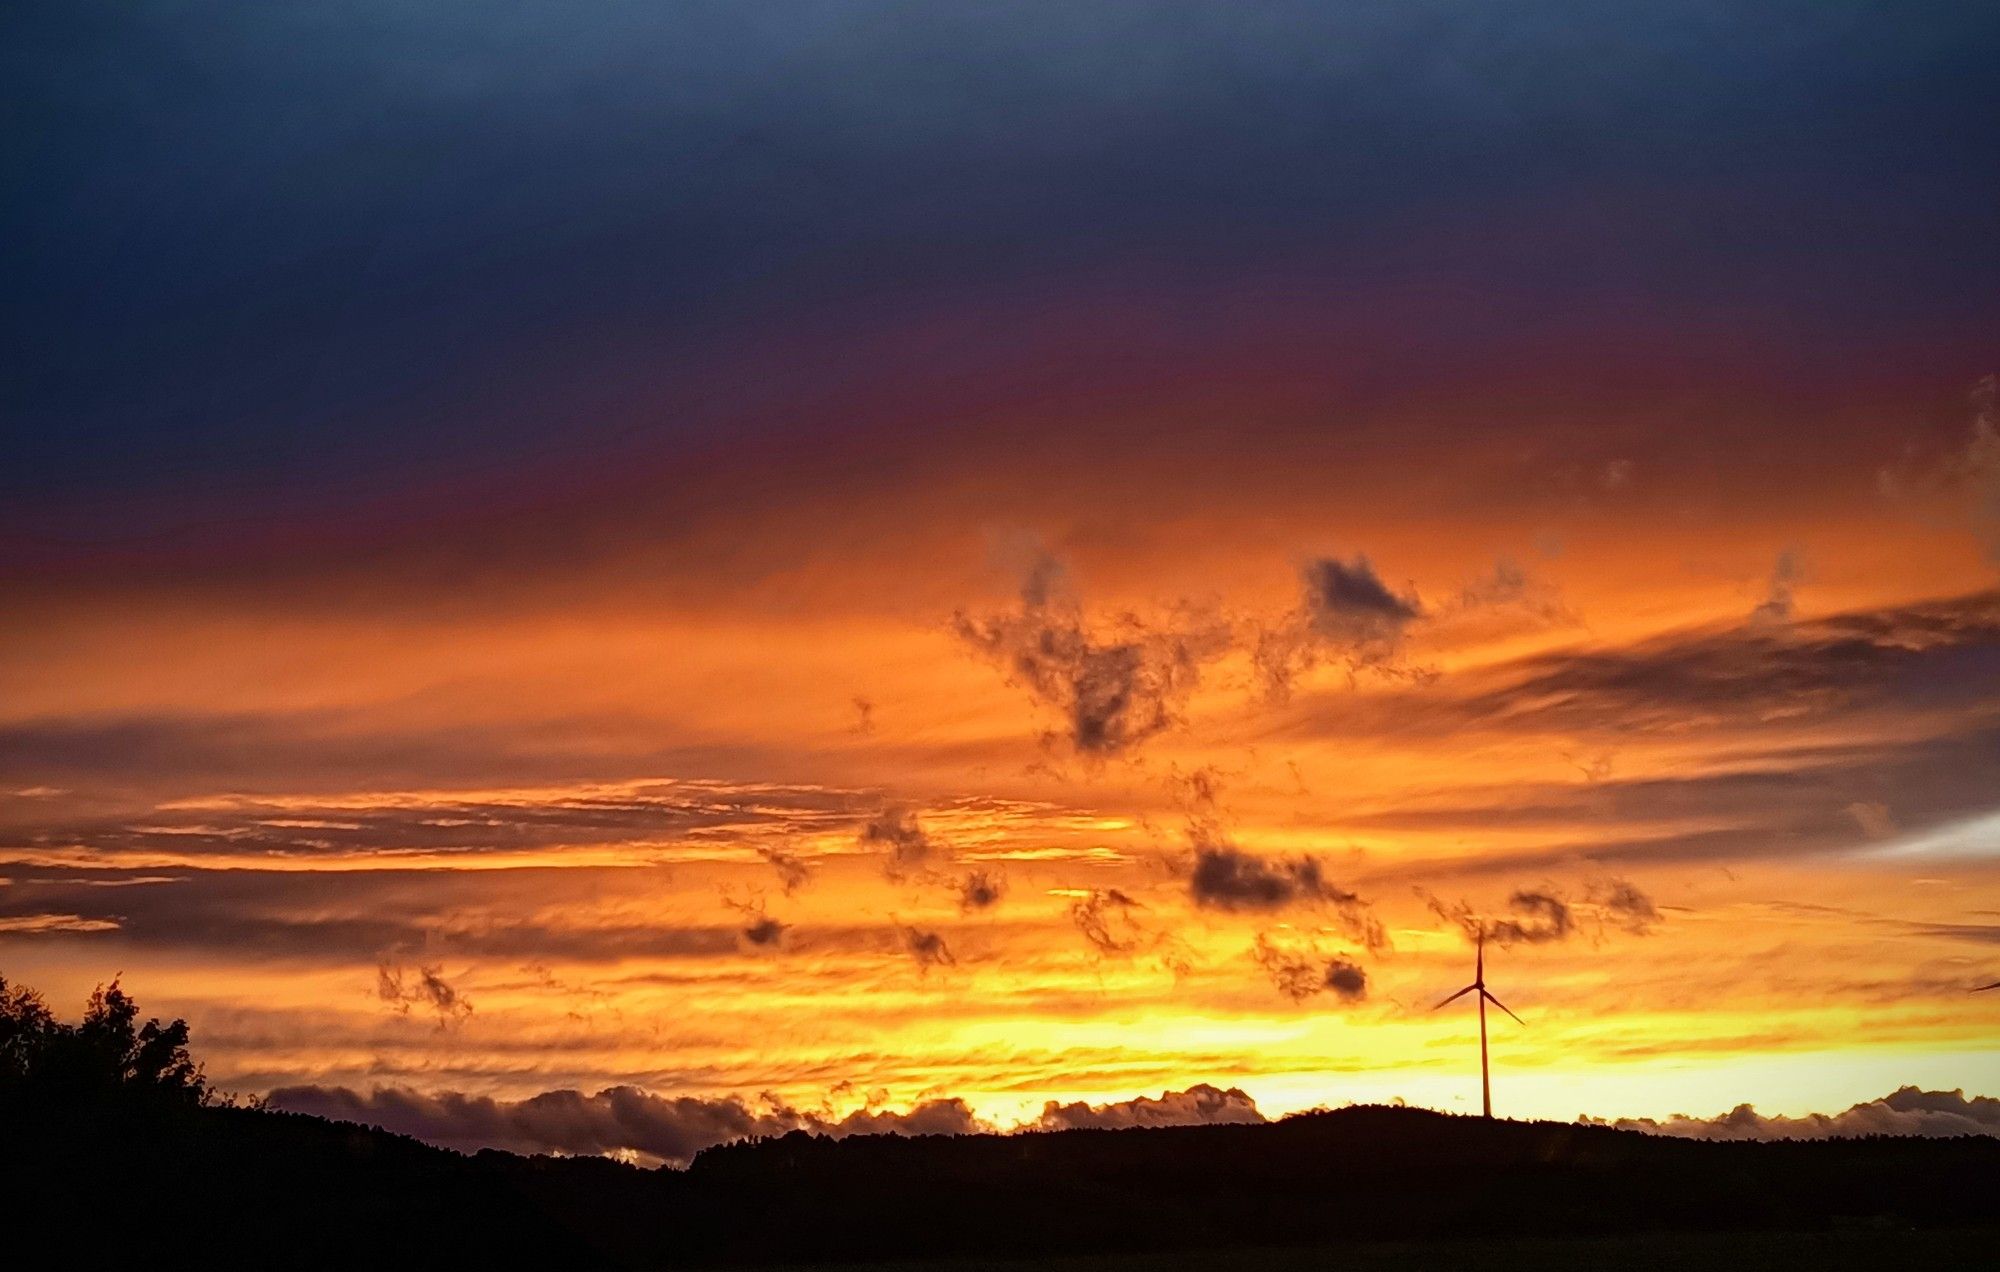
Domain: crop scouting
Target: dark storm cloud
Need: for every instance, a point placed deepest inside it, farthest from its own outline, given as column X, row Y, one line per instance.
column 1199, row 1105
column 1907, row 1111
column 618, row 1120
column 1302, row 974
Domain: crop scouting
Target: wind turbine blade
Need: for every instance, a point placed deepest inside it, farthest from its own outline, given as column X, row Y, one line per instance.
column 1455, row 997
column 1503, row 1007
column 1983, row 988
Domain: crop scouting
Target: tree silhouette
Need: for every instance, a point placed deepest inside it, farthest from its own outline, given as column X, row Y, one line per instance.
column 107, row 1056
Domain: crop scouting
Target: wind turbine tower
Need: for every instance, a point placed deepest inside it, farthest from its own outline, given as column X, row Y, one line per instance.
column 1479, row 985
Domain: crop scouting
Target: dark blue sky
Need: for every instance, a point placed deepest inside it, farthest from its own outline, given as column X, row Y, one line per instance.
column 261, row 254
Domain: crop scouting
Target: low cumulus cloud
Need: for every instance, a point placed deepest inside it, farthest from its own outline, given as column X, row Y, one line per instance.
column 426, row 987
column 1907, row 1111
column 1115, row 683
column 619, row 1121
column 1199, row 1105
column 1300, row 974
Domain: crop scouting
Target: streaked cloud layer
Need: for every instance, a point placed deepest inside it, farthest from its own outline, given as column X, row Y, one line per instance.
column 806, row 564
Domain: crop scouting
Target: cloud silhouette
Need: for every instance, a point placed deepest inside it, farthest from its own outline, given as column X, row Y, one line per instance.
column 1906, row 1111
column 1199, row 1105
column 620, row 1120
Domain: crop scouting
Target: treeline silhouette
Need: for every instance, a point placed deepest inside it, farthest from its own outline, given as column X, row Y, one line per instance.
column 113, row 1146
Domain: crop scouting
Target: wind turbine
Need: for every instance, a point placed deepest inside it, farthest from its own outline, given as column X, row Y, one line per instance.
column 1983, row 988
column 1485, row 997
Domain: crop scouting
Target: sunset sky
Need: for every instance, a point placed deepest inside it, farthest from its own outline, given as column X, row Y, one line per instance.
column 884, row 552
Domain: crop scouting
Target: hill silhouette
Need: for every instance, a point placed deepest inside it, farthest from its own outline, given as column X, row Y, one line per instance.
column 118, row 1149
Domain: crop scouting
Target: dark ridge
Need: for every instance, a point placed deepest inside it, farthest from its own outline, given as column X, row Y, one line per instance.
column 113, row 1154
column 246, row 1187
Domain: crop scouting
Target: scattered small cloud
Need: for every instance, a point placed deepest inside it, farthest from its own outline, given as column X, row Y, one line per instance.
column 1107, row 919
column 1624, row 904
column 927, row 948
column 426, row 988
column 1544, row 915
column 981, row 890
column 897, row 830
column 792, row 871
column 1302, row 974
column 1116, row 683
column 1223, row 877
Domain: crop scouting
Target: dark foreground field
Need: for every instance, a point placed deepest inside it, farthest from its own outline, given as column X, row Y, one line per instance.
column 1361, row 1188
column 1653, row 1252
